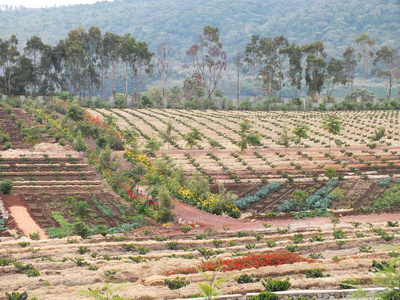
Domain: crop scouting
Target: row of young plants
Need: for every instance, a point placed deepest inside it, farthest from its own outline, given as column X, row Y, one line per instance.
column 260, row 194
column 321, row 198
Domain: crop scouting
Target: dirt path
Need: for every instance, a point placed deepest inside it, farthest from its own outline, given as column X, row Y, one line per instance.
column 23, row 217
column 189, row 214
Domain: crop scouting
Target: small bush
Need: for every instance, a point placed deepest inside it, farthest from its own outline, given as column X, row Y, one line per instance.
column 265, row 296
column 314, row 273
column 298, row 238
column 34, row 236
column 217, row 243
column 339, row 234
column 282, row 230
column 317, row 238
column 129, row 247
column 6, row 186
column 33, row 273
column 83, row 250
column 142, row 250
column 176, row 283
column 292, row 248
column 245, row 278
column 392, row 224
column 110, row 273
column 242, row 234
column 316, row 255
column 276, row 285
column 24, row 244
column 271, row 244
column 365, row 249
column 160, row 238
column 200, row 236
column 349, row 283
column 172, row 245
column 17, row 296
column 356, row 224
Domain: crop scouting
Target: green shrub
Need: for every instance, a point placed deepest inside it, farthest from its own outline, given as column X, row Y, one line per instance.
column 172, row 245
column 314, row 273
column 160, row 238
column 365, row 249
column 186, row 228
column 356, row 224
column 17, row 296
column 242, row 234
column 314, row 255
column 34, row 236
column 276, row 285
column 33, row 273
column 82, row 230
column 207, row 253
column 176, row 283
column 339, row 234
column 250, row 246
column 282, row 230
column 265, row 296
column 245, row 278
column 217, row 243
column 298, row 238
column 349, row 283
column 129, row 247
column 378, row 266
column 142, row 250
column 271, row 244
column 292, row 248
column 200, row 236
column 317, row 238
column 24, row 244
column 6, row 186
column 83, row 250
column 392, row 224
column 5, row 262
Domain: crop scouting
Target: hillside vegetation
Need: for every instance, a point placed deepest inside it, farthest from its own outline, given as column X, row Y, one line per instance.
column 180, row 22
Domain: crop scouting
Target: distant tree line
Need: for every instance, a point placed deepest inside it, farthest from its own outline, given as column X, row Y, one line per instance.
column 81, row 62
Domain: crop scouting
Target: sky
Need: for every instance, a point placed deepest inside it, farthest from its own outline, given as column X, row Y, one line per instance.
column 46, row 3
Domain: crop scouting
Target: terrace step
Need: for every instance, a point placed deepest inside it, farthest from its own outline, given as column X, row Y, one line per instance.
column 27, row 183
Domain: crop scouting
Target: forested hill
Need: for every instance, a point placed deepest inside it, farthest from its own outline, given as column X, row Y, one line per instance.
column 180, row 22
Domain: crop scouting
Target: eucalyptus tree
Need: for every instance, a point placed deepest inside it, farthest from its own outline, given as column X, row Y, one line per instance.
column 163, row 62
column 268, row 72
column 295, row 54
column 9, row 56
column 76, row 60
column 112, row 47
column 333, row 125
column 366, row 51
column 208, row 58
column 281, row 43
column 141, row 65
column 34, row 49
column 253, row 59
column 128, row 51
column 335, row 75
column 94, row 45
column 385, row 65
column 238, row 62
column 315, row 67
column 349, row 64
